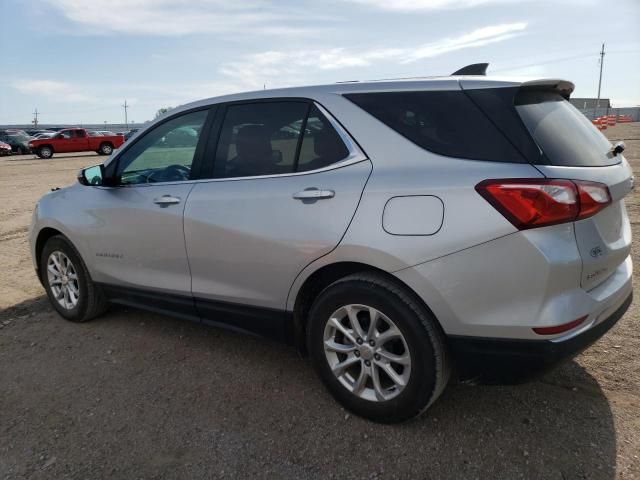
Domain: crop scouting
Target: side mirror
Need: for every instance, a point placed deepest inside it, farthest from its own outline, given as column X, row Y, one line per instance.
column 91, row 176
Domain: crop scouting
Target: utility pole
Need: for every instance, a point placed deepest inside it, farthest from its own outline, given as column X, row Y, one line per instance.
column 35, row 118
column 595, row 113
column 126, row 122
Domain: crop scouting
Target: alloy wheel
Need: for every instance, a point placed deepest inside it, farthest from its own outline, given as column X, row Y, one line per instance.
column 367, row 352
column 63, row 280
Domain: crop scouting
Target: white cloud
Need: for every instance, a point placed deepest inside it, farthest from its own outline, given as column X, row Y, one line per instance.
column 51, row 89
column 181, row 17
column 271, row 66
column 417, row 5
column 476, row 38
column 406, row 6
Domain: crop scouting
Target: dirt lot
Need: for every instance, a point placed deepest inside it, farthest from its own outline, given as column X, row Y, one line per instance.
column 138, row 395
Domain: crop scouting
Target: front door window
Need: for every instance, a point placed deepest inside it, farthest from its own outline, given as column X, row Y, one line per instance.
column 164, row 154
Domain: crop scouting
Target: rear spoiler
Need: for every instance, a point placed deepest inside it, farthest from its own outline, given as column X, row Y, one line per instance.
column 563, row 87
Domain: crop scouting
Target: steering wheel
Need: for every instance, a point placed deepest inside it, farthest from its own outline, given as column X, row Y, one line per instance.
column 172, row 173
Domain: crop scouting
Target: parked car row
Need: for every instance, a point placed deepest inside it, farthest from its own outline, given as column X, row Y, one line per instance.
column 18, row 140
column 46, row 142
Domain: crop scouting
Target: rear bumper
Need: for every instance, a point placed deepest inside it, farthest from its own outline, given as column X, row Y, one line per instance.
column 499, row 360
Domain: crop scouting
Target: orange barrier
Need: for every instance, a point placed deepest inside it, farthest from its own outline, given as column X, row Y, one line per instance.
column 601, row 123
column 625, row 119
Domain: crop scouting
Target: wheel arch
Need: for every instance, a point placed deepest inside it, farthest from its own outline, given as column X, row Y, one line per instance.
column 325, row 276
column 48, row 145
column 43, row 236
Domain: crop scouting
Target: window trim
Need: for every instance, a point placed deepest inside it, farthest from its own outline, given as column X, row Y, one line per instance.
column 355, row 155
column 203, row 170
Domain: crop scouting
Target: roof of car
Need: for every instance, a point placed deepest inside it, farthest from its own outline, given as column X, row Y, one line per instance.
column 407, row 84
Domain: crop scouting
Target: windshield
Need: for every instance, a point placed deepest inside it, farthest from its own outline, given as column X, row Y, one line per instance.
column 18, row 136
column 564, row 134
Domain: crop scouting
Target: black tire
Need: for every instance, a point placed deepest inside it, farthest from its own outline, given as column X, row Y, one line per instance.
column 105, row 148
column 45, row 152
column 430, row 362
column 19, row 151
column 91, row 301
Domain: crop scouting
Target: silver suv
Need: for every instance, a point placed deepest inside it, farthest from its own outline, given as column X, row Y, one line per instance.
column 397, row 231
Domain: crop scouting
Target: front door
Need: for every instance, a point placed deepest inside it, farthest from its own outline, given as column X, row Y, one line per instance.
column 138, row 239
column 277, row 201
column 64, row 141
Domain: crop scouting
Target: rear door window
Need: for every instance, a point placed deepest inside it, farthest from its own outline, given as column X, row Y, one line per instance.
column 444, row 122
column 259, row 139
column 565, row 135
column 265, row 138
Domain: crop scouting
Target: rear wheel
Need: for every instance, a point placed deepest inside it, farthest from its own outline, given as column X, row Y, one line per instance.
column 378, row 350
column 67, row 282
column 19, row 151
column 45, row 152
column 106, row 149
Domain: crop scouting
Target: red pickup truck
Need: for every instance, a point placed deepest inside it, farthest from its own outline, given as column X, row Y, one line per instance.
column 75, row 140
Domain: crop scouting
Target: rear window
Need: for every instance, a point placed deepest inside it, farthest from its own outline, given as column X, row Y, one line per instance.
column 565, row 135
column 443, row 122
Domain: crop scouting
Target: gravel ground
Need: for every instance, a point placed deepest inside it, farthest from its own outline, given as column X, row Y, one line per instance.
column 139, row 395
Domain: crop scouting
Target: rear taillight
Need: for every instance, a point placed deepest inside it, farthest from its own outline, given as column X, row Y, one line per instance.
column 532, row 202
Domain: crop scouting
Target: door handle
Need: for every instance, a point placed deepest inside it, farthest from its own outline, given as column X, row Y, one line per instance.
column 313, row 194
column 166, row 200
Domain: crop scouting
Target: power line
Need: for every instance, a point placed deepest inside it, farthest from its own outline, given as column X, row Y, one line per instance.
column 35, row 118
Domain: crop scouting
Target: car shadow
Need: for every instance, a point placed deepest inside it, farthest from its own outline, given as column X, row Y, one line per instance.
column 178, row 393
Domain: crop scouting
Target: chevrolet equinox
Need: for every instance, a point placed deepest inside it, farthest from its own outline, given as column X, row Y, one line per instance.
column 397, row 232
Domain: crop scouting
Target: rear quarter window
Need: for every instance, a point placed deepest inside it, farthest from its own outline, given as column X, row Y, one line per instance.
column 443, row 122
column 565, row 135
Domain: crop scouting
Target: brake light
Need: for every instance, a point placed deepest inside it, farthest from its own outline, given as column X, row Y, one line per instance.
column 560, row 328
column 533, row 202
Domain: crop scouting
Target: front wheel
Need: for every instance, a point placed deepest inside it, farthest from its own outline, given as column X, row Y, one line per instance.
column 377, row 349
column 67, row 282
column 45, row 152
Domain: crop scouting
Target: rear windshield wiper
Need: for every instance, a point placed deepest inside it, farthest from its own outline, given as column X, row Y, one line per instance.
column 617, row 148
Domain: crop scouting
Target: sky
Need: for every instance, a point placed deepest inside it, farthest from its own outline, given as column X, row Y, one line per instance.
column 77, row 61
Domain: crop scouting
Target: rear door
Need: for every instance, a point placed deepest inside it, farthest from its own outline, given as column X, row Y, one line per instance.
column 285, row 184
column 574, row 149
